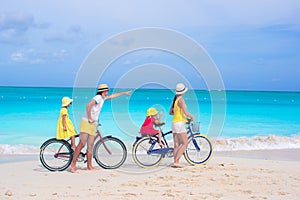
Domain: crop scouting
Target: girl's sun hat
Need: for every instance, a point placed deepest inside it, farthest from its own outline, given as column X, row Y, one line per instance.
column 66, row 101
column 151, row 111
column 181, row 89
column 102, row 88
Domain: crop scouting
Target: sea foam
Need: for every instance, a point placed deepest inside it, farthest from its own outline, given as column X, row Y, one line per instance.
column 220, row 144
column 257, row 143
column 7, row 149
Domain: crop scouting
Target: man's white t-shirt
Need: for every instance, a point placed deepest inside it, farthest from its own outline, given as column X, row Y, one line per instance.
column 96, row 109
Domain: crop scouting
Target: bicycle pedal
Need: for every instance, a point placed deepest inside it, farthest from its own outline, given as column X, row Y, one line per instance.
column 170, row 153
column 80, row 157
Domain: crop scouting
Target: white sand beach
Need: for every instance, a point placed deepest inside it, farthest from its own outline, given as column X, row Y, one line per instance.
column 239, row 175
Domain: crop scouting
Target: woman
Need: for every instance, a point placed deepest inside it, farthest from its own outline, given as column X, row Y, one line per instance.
column 180, row 112
column 88, row 124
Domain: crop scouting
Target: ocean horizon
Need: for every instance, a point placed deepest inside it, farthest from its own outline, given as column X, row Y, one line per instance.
column 254, row 120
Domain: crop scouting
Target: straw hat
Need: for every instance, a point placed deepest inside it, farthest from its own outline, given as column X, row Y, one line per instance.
column 66, row 101
column 180, row 89
column 151, row 111
column 102, row 88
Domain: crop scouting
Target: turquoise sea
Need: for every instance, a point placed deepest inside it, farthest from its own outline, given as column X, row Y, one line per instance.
column 253, row 120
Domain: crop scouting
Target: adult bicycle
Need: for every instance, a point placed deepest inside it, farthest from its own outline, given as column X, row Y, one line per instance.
column 109, row 152
column 147, row 152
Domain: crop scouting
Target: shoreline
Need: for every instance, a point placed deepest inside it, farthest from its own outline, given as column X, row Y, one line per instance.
column 228, row 176
column 268, row 154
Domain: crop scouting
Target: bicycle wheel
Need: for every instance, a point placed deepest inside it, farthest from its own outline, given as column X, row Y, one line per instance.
column 141, row 155
column 110, row 153
column 199, row 150
column 56, row 155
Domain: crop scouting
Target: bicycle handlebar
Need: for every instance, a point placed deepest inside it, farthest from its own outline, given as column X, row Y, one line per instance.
column 189, row 120
column 160, row 124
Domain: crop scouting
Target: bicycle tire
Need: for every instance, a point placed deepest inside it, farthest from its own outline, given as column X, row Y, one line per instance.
column 56, row 155
column 199, row 150
column 115, row 157
column 141, row 155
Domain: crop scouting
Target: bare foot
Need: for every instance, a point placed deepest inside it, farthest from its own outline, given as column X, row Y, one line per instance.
column 92, row 168
column 73, row 169
column 177, row 165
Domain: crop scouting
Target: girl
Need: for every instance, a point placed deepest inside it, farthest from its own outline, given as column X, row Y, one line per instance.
column 151, row 120
column 65, row 128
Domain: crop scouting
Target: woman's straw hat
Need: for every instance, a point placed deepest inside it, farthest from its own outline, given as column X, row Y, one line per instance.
column 151, row 111
column 102, row 88
column 180, row 89
column 66, row 101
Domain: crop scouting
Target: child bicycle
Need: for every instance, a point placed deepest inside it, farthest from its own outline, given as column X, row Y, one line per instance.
column 147, row 153
column 109, row 152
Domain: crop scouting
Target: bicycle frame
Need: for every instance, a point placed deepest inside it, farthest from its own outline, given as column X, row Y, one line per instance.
column 57, row 155
column 101, row 139
column 191, row 135
column 167, row 148
column 147, row 153
column 66, row 155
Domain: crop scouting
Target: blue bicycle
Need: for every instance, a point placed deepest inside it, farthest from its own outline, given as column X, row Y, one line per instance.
column 146, row 151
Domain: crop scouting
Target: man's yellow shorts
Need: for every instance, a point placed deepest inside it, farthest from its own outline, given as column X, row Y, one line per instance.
column 86, row 127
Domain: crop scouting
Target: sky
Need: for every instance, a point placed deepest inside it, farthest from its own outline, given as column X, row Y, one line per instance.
column 255, row 44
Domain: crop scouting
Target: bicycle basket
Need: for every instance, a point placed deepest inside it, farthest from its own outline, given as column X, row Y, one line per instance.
column 196, row 127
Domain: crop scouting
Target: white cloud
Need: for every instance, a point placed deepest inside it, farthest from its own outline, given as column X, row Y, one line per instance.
column 33, row 56
column 178, row 14
column 11, row 36
column 235, row 33
column 60, row 55
column 14, row 26
column 72, row 34
column 18, row 57
column 101, row 15
column 20, row 22
column 208, row 17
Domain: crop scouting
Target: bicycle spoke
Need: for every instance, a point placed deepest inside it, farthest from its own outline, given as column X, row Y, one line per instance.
column 110, row 153
column 142, row 156
column 55, row 155
column 199, row 150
